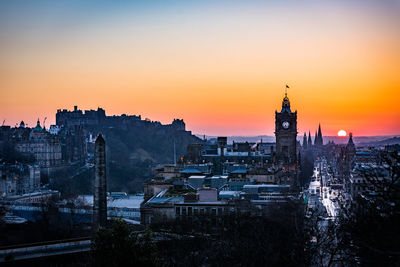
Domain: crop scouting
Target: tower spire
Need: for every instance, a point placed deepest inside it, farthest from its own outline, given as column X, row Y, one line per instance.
column 316, row 138
column 350, row 142
column 305, row 141
column 286, row 102
column 286, row 87
column 320, row 140
column 319, row 130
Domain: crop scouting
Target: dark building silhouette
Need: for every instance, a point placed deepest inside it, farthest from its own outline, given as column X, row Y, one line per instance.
column 351, row 147
column 68, row 119
column 318, row 137
column 305, row 141
column 178, row 124
column 100, row 184
column 222, row 142
column 74, row 140
column 97, row 118
column 45, row 147
column 309, row 145
column 315, row 138
column 346, row 159
column 286, row 133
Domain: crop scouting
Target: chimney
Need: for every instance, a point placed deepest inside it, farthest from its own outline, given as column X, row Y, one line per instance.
column 222, row 142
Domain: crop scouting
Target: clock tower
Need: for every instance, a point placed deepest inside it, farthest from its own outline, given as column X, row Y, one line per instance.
column 286, row 133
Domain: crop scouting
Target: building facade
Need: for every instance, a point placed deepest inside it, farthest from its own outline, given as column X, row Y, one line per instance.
column 45, row 147
column 286, row 133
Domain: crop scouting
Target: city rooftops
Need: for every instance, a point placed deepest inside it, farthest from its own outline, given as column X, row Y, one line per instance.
column 260, row 188
column 191, row 171
column 165, row 200
column 197, row 177
column 229, row 194
column 239, row 171
column 204, row 203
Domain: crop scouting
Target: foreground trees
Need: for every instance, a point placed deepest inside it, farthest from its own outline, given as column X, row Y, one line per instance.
column 233, row 240
column 241, row 241
column 121, row 246
column 373, row 222
column 367, row 234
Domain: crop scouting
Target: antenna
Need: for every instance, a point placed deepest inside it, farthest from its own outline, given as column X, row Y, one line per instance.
column 174, row 153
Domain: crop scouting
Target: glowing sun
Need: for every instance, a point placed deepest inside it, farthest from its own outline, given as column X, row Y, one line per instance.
column 342, row 133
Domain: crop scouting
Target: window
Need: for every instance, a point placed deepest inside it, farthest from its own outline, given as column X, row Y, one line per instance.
column 208, row 210
column 183, row 210
column 189, row 211
column 213, row 211
column 178, row 211
column 196, row 211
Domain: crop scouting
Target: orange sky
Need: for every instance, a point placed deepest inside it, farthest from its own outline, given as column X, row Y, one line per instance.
column 222, row 69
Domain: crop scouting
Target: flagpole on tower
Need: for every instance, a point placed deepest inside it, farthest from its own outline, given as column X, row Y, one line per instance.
column 287, row 86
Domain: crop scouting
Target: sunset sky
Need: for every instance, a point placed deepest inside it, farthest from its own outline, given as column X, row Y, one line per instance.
column 222, row 66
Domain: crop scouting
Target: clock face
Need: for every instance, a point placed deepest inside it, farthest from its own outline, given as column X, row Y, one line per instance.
column 285, row 124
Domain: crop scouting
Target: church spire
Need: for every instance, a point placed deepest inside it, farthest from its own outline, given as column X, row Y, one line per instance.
column 305, row 141
column 320, row 141
column 309, row 139
column 351, row 147
column 316, row 138
column 350, row 142
column 319, row 130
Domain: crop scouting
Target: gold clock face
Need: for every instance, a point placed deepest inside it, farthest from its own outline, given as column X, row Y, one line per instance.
column 285, row 124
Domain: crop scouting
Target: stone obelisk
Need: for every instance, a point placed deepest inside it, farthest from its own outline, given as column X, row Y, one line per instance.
column 100, row 184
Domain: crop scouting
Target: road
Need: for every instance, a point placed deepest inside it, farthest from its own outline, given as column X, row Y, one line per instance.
column 323, row 202
column 45, row 250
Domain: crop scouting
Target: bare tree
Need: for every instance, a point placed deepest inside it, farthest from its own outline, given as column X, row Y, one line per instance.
column 373, row 222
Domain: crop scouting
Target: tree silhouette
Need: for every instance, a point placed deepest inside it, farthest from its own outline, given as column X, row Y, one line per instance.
column 121, row 246
column 373, row 223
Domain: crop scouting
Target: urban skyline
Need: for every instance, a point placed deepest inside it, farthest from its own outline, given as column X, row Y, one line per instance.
column 200, row 133
column 217, row 67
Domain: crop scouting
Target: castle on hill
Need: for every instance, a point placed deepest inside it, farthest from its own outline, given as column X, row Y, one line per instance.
column 70, row 119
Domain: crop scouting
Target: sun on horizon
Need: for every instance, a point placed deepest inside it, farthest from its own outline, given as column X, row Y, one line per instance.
column 342, row 133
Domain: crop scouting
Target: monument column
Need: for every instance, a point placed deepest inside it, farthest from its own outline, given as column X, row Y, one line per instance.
column 100, row 185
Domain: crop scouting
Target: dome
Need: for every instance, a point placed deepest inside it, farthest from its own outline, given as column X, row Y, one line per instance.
column 38, row 127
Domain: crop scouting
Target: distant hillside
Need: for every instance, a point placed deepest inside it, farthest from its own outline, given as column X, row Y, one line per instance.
column 141, row 143
column 385, row 142
column 132, row 151
column 358, row 140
